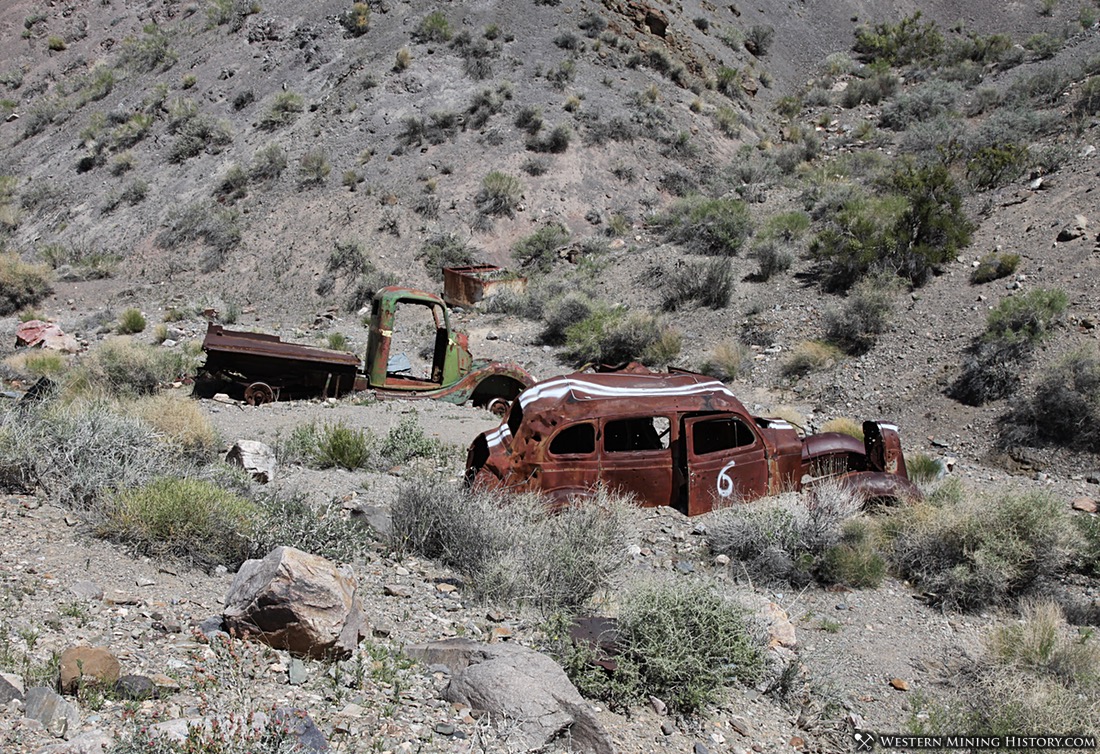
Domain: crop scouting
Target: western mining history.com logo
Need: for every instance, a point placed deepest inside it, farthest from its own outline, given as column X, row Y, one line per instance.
column 866, row 740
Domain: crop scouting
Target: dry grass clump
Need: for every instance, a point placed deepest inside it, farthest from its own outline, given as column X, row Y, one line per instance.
column 845, row 426
column 514, row 550
column 122, row 366
column 727, row 361
column 180, row 422
column 21, row 284
column 37, row 363
column 810, row 356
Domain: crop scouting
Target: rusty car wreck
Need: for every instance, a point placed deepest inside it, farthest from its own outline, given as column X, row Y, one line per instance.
column 263, row 368
column 678, row 439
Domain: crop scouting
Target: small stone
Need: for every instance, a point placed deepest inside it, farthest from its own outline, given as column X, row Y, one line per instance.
column 444, row 729
column 81, row 666
column 164, row 683
column 492, row 336
column 685, row 566
column 11, row 687
column 59, row 717
column 136, row 687
column 721, row 560
column 496, row 616
column 144, row 581
column 297, row 674
column 396, row 590
column 87, row 590
column 699, row 749
column 667, row 727
column 500, row 633
column 1085, row 504
column 797, row 742
column 658, row 706
column 445, row 588
column 899, row 684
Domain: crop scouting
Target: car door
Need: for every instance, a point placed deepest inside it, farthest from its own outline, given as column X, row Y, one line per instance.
column 636, row 458
column 726, row 461
column 569, row 464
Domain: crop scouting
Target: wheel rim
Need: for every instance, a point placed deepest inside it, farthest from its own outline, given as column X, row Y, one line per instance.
column 259, row 393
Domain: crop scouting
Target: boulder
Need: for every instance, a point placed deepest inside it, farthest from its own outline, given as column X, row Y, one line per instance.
column 38, row 334
column 11, row 687
column 299, row 602
column 81, row 666
column 254, row 457
column 59, row 717
column 519, row 684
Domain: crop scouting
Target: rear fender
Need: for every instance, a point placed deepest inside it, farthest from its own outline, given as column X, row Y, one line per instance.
column 884, row 448
column 871, row 486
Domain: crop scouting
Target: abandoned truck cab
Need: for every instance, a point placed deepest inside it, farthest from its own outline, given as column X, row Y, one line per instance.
column 678, row 439
column 451, row 373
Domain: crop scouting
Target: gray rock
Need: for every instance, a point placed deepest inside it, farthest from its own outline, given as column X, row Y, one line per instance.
column 59, row 717
column 136, row 687
column 87, row 590
column 92, row 742
column 11, row 687
column 516, row 683
column 296, row 672
column 254, row 457
column 299, row 602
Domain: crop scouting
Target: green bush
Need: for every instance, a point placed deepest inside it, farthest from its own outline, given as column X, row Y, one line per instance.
column 717, row 227
column 1043, row 45
column 922, row 103
column 611, row 335
column 1088, row 556
column 268, row 164
column 871, row 90
column 758, row 39
column 131, row 321
column 998, row 165
column 772, row 257
column 854, row 560
column 516, row 550
column 981, row 551
column 406, row 441
column 681, row 642
column 445, row 250
column 150, row 53
column 1029, row 316
column 291, row 521
column 539, row 250
column 562, row 312
column 499, row 195
column 340, row 446
column 198, row 133
column 21, row 284
column 554, row 142
column 923, row 469
column 856, row 326
column 216, row 226
column 710, row 283
column 313, row 167
column 908, row 41
column 283, row 111
column 434, row 27
column 188, row 519
column 994, row 266
column 1088, row 97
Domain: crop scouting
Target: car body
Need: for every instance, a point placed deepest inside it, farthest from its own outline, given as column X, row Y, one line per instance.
column 679, row 439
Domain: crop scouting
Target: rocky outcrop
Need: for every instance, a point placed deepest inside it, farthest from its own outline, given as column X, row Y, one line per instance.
column 520, row 685
column 297, row 601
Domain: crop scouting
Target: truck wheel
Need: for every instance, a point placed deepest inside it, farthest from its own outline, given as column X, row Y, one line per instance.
column 258, row 393
column 499, row 406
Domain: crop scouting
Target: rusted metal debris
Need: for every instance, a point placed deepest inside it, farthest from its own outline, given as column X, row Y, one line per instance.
column 264, row 368
column 679, row 439
column 465, row 286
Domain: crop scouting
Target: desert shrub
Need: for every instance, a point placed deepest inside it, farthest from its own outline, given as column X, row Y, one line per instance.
column 499, row 195
column 289, row 520
column 918, row 225
column 434, row 27
column 1064, row 410
column 1088, row 97
column 313, row 167
column 856, row 326
column 21, row 284
column 562, row 312
column 908, row 41
column 783, row 539
column 121, row 366
column 341, row 446
column 356, row 19
column 268, row 163
column 758, row 39
column 772, row 257
column 130, row 321
column 233, row 184
column 445, row 250
column 1088, row 554
column 217, row 227
column 197, row 134
column 997, row 165
column 612, row 335
column 187, row 519
column 923, row 469
column 983, row 550
column 38, row 363
column 539, row 250
column 709, row 226
column 1043, row 45
column 925, row 102
column 1029, row 316
column 180, row 423
column 554, row 142
column 994, row 266
column 726, row 361
column 810, row 356
column 148, row 53
column 871, row 90
column 283, row 111
column 682, row 642
column 854, row 561
column 515, row 550
column 406, row 441
column 709, row 283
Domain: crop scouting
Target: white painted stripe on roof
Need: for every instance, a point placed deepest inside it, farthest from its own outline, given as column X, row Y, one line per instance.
column 559, row 388
column 497, row 436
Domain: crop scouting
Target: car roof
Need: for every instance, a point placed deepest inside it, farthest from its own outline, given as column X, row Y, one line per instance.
column 583, row 395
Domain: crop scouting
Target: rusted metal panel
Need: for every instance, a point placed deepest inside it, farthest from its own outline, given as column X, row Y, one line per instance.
column 465, row 286
column 678, row 439
column 265, row 368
